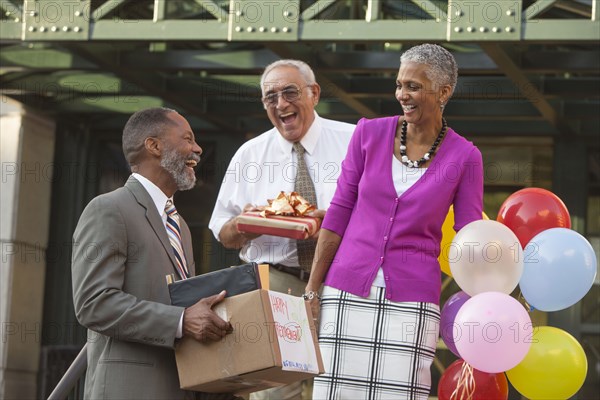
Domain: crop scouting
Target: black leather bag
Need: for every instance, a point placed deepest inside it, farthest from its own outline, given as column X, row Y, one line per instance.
column 235, row 280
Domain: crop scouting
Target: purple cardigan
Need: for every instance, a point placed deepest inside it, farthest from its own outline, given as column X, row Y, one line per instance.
column 400, row 234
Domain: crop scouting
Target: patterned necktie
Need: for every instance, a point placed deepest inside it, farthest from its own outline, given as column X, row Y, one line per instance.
column 175, row 238
column 306, row 188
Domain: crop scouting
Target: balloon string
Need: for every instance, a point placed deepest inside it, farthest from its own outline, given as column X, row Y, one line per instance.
column 525, row 303
column 465, row 387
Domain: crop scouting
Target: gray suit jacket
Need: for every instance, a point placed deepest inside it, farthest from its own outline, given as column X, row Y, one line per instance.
column 121, row 254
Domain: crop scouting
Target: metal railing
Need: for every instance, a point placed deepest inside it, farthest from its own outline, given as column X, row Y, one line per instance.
column 71, row 378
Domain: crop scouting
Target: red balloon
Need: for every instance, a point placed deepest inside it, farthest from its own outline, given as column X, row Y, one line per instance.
column 530, row 211
column 487, row 386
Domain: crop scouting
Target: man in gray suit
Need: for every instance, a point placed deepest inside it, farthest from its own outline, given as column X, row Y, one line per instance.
column 123, row 248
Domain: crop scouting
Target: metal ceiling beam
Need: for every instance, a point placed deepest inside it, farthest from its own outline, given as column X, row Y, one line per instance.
column 512, row 70
column 373, row 10
column 246, row 89
column 432, row 9
column 151, row 83
column 331, row 87
column 41, row 58
column 315, row 9
column 501, row 127
column 165, row 31
column 236, row 61
column 388, row 29
column 538, row 8
column 159, row 11
column 253, row 61
column 575, row 31
column 105, row 8
column 10, row 30
column 575, row 8
column 14, row 79
column 213, row 9
column 573, row 61
column 70, row 85
column 484, row 87
column 557, row 30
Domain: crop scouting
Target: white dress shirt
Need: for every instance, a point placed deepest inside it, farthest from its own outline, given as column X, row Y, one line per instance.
column 160, row 201
column 265, row 166
column 157, row 195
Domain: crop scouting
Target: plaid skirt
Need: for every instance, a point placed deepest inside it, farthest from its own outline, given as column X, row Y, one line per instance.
column 374, row 348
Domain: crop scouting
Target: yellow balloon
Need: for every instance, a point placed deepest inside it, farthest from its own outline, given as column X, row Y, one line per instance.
column 554, row 368
column 448, row 234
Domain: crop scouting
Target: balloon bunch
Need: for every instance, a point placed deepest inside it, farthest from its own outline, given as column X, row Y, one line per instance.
column 560, row 268
column 530, row 245
column 560, row 264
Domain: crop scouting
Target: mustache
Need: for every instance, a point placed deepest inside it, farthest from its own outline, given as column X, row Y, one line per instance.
column 194, row 157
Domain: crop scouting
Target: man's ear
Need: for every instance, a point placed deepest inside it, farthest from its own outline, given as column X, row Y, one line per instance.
column 153, row 146
column 316, row 91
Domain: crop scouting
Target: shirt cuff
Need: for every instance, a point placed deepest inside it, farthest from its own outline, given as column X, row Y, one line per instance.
column 179, row 333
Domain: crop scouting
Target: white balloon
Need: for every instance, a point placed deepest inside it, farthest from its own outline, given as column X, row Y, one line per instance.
column 486, row 256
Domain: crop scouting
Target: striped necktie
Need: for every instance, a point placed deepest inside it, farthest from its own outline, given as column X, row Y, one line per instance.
column 305, row 186
column 175, row 238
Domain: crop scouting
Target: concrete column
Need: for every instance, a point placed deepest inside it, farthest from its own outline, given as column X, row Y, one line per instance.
column 26, row 156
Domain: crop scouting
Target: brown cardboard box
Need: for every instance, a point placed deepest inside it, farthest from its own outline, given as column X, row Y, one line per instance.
column 267, row 348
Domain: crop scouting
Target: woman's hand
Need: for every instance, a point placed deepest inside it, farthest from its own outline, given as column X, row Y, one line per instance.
column 314, row 300
column 316, row 214
column 327, row 246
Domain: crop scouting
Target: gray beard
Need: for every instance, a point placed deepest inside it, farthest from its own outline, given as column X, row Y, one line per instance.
column 174, row 164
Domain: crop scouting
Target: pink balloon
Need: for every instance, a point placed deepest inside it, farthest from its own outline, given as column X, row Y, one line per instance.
column 493, row 332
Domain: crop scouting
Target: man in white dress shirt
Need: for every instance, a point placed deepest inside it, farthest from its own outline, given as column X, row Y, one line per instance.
column 267, row 164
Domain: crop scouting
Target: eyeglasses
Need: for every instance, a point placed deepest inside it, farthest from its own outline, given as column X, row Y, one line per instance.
column 290, row 94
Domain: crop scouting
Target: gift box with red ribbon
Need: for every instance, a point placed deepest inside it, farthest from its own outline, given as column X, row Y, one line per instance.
column 278, row 225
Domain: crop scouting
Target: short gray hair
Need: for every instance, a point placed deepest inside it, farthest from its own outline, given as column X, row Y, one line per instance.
column 305, row 70
column 149, row 122
column 441, row 65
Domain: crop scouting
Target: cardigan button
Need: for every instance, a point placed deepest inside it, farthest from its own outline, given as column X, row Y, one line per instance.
column 385, row 238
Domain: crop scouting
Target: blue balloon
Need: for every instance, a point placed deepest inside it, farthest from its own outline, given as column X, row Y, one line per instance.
column 560, row 268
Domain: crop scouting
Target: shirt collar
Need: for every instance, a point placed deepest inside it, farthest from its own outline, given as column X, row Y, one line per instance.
column 157, row 195
column 309, row 141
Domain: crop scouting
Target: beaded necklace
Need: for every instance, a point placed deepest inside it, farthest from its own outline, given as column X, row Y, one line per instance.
column 415, row 164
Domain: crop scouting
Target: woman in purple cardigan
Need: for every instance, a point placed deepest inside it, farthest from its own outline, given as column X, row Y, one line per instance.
column 377, row 250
